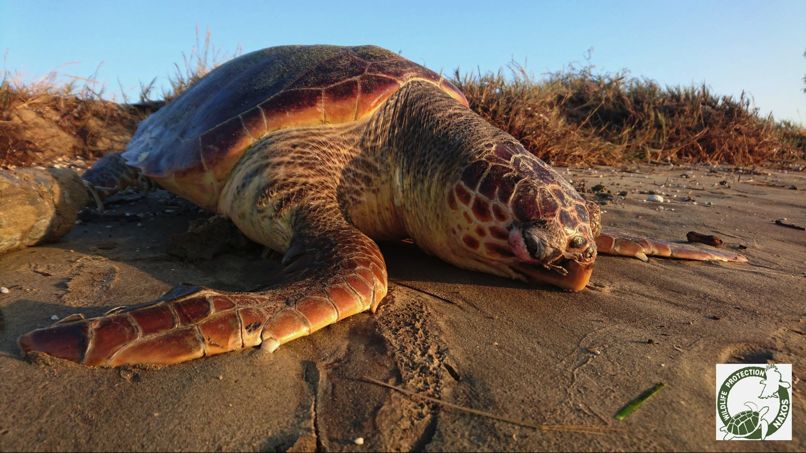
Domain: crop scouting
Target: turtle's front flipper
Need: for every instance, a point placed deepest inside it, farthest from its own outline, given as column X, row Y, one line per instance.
column 336, row 270
column 616, row 243
column 331, row 272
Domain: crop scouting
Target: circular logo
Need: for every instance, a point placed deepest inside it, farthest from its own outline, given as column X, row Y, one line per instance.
column 753, row 402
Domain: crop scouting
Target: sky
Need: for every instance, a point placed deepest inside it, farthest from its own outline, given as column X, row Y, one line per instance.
column 731, row 46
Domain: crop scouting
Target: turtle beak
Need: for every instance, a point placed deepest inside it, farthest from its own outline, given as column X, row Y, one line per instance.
column 567, row 271
column 566, row 274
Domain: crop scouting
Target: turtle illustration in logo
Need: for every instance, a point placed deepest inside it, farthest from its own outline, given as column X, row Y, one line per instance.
column 746, row 423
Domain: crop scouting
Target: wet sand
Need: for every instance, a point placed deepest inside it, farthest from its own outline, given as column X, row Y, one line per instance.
column 518, row 351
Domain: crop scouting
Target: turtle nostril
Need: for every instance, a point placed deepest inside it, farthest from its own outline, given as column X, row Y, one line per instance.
column 532, row 245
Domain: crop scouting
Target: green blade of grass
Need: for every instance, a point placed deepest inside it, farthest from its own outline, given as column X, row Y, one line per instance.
column 633, row 405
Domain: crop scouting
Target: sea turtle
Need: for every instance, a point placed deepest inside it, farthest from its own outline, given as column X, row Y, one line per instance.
column 747, row 422
column 317, row 152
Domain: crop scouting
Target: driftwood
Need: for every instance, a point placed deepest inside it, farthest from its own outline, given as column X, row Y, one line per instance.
column 714, row 241
column 38, row 205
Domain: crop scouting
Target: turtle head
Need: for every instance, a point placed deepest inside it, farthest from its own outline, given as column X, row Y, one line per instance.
column 515, row 216
column 549, row 251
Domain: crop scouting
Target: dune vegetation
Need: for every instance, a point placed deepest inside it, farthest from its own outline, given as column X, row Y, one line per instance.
column 574, row 117
column 577, row 117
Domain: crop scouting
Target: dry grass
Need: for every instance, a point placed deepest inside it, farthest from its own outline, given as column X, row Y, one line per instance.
column 45, row 120
column 576, row 117
column 203, row 58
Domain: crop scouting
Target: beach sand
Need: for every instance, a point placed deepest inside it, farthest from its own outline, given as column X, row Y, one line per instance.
column 524, row 352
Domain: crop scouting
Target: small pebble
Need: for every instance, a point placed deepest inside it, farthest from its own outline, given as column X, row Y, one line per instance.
column 4, row 290
column 54, row 318
column 655, row 198
column 358, row 441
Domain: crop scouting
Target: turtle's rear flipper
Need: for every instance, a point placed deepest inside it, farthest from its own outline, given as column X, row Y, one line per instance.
column 616, row 243
column 42, row 205
column 110, row 175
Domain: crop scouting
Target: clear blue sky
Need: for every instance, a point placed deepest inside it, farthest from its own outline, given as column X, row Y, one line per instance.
column 755, row 46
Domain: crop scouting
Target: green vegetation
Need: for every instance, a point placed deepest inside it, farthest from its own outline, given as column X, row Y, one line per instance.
column 634, row 404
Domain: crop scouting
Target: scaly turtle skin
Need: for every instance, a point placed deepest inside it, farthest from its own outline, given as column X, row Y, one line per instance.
column 316, row 152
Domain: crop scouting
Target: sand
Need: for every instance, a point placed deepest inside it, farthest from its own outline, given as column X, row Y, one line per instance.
column 508, row 348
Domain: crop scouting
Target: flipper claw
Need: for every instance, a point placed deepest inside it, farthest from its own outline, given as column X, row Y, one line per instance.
column 269, row 345
column 99, row 204
column 70, row 318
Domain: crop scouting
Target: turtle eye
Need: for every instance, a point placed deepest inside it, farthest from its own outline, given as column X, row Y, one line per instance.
column 577, row 242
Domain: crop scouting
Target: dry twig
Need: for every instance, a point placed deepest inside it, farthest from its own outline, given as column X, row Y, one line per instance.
column 513, row 421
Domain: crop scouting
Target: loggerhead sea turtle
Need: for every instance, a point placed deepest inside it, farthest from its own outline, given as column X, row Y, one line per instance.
column 317, row 152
